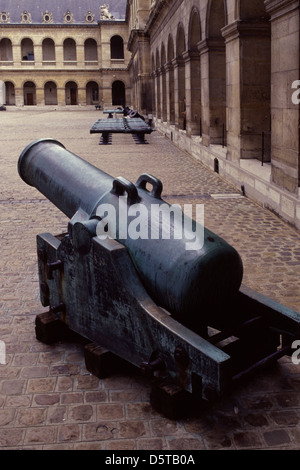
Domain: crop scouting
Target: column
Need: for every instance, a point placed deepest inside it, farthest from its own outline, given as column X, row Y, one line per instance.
column 157, row 94
column 16, row 52
column 167, row 68
column 213, row 90
column 38, row 55
column 248, row 56
column 285, row 113
column 163, row 95
column 80, row 56
column 61, row 96
column 192, row 92
column 179, row 91
column 59, row 55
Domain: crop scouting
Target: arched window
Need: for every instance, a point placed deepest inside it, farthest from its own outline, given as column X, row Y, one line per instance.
column 69, row 50
column 48, row 50
column 6, row 50
column 116, row 47
column 90, row 50
column 27, row 49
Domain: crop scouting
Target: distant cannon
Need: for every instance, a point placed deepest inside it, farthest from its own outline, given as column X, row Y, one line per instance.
column 178, row 314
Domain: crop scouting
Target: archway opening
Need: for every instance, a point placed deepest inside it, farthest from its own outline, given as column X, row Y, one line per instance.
column 217, row 72
column 29, row 92
column 180, row 48
column 116, row 47
column 71, row 94
column 27, row 49
column 10, row 94
column 118, row 93
column 92, row 93
column 48, row 48
column 194, row 101
column 50, row 93
column 6, row 50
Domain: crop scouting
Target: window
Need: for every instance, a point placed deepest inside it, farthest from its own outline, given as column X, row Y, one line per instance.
column 68, row 17
column 116, row 48
column 89, row 17
column 47, row 17
column 4, row 17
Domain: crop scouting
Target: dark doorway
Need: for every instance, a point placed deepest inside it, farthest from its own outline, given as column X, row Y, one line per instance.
column 73, row 96
column 30, row 99
column 118, row 93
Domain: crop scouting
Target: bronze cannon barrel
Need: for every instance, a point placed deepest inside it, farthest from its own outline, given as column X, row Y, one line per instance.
column 191, row 284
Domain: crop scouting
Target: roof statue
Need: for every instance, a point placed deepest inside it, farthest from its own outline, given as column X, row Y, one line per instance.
column 105, row 14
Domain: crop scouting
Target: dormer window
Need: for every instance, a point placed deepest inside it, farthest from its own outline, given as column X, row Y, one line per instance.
column 89, row 17
column 47, row 17
column 68, row 17
column 26, row 17
column 4, row 17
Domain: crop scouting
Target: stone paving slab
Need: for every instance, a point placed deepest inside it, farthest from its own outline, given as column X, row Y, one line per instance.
column 48, row 400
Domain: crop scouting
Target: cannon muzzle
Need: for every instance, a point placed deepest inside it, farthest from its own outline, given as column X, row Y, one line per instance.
column 191, row 284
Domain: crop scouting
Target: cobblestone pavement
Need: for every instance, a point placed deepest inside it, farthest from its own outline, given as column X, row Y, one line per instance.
column 48, row 400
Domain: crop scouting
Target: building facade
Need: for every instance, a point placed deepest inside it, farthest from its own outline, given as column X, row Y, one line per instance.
column 224, row 81
column 71, row 53
column 220, row 77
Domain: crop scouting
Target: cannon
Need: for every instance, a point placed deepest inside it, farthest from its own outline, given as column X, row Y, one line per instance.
column 173, row 306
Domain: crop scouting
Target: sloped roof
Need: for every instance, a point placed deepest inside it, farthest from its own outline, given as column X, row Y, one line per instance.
column 58, row 8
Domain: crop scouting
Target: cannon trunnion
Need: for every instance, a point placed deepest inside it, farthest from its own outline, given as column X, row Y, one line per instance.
column 182, row 316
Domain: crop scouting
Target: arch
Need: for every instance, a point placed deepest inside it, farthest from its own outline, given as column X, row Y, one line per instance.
column 180, row 40
column 171, row 97
column 90, row 50
column 27, row 49
column 214, row 101
column 163, row 59
column 48, row 48
column 50, row 93
column 29, row 93
column 153, row 63
column 194, row 28
column 6, row 50
column 71, row 92
column 254, row 108
column 170, row 51
column 157, row 61
column 118, row 93
column 216, row 18
column 194, row 89
column 69, row 46
column 246, row 10
column 10, row 93
column 92, row 93
column 157, row 84
column 181, row 95
column 116, row 47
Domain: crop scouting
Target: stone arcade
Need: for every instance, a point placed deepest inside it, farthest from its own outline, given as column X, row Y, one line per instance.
column 216, row 75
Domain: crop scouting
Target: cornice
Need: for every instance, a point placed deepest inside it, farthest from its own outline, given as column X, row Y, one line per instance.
column 246, row 28
column 277, row 8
